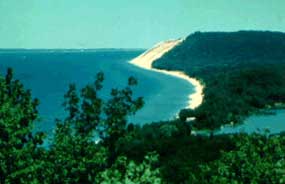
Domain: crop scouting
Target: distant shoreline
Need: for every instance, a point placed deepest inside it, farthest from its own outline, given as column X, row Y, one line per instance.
column 146, row 59
column 77, row 50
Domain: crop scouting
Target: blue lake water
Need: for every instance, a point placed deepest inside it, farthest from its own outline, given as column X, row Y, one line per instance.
column 275, row 123
column 48, row 75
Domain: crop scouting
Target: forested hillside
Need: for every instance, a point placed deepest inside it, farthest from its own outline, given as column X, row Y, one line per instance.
column 204, row 53
column 243, row 73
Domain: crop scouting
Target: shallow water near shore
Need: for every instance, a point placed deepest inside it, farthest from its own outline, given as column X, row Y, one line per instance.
column 48, row 75
column 275, row 123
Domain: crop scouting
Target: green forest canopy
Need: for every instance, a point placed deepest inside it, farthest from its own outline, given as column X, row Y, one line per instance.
column 243, row 73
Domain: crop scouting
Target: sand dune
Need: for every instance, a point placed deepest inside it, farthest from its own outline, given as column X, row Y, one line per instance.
column 146, row 59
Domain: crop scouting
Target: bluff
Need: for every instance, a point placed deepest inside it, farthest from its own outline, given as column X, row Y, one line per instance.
column 202, row 53
column 244, row 73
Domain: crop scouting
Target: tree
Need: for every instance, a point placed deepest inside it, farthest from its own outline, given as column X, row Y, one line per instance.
column 116, row 111
column 124, row 171
column 74, row 157
column 19, row 146
column 74, row 154
column 258, row 159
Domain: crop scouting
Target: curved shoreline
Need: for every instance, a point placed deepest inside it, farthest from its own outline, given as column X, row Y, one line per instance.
column 146, row 59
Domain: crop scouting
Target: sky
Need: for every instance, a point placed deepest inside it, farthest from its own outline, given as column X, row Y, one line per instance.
column 128, row 23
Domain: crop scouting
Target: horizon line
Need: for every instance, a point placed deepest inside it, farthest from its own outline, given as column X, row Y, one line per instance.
column 69, row 49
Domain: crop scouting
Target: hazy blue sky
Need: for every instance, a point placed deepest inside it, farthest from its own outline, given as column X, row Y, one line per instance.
column 127, row 23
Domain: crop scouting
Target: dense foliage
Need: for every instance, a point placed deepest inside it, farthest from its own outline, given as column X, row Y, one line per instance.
column 257, row 159
column 164, row 152
column 204, row 53
column 232, row 96
column 73, row 156
column 180, row 152
column 243, row 73
column 19, row 151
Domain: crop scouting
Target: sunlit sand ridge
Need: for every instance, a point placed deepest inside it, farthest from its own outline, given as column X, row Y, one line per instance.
column 146, row 59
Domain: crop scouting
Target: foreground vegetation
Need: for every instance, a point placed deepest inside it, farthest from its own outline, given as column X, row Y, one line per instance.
column 243, row 73
column 164, row 152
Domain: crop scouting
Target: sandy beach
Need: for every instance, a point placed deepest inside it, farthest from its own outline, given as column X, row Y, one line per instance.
column 146, row 59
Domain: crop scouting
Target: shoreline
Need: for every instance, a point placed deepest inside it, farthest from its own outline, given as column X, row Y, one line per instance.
column 146, row 59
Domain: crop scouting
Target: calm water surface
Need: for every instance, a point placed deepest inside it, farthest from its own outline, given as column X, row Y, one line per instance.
column 275, row 123
column 48, row 75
